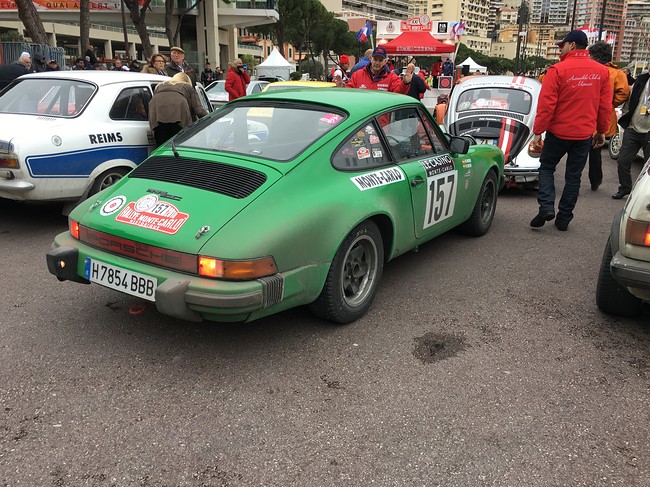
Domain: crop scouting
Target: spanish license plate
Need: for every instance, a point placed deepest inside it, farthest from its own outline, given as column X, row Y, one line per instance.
column 113, row 277
column 487, row 141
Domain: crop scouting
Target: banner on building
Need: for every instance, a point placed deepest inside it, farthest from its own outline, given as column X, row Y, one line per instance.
column 47, row 6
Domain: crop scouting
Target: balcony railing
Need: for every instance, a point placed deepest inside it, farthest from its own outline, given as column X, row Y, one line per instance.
column 258, row 4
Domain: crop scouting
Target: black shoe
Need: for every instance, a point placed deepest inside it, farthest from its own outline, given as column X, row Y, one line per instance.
column 595, row 186
column 541, row 218
column 620, row 195
column 561, row 226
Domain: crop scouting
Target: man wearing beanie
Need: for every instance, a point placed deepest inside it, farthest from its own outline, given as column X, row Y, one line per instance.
column 341, row 71
column 575, row 101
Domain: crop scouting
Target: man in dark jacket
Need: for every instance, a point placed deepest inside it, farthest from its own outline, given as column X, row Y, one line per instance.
column 9, row 72
column 177, row 64
column 207, row 75
column 575, row 101
column 636, row 123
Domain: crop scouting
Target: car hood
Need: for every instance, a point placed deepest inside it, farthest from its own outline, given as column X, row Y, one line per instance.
column 508, row 133
column 178, row 203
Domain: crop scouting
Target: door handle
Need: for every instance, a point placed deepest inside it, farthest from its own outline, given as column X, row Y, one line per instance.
column 417, row 182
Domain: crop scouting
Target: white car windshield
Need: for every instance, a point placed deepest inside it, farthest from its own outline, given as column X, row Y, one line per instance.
column 271, row 132
column 51, row 97
column 510, row 99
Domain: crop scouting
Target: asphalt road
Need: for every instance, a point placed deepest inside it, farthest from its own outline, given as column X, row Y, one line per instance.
column 482, row 362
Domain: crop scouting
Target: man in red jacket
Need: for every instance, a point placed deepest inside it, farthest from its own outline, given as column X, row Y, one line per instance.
column 575, row 101
column 377, row 76
column 236, row 80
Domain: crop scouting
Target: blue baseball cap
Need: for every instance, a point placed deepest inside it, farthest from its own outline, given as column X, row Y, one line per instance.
column 380, row 51
column 577, row 36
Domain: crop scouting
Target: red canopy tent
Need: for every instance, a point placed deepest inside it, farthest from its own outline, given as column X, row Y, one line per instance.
column 417, row 43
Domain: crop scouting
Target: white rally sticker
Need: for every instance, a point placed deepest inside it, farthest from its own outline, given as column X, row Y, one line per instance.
column 441, row 197
column 148, row 212
column 112, row 205
column 378, row 178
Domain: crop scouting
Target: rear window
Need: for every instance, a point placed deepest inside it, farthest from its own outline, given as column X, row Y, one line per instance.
column 271, row 132
column 510, row 99
column 51, row 97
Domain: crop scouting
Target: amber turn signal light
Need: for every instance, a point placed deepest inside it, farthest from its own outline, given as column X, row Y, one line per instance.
column 637, row 233
column 236, row 269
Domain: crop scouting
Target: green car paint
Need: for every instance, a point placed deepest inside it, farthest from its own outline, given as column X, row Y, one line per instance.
column 296, row 176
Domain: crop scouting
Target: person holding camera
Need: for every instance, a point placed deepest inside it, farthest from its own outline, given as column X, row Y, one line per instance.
column 237, row 79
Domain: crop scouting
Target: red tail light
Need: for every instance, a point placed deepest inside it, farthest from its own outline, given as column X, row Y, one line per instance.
column 74, row 228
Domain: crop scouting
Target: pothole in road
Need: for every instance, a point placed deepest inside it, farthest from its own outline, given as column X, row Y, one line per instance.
column 434, row 347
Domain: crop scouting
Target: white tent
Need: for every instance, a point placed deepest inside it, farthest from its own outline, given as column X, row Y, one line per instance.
column 473, row 66
column 275, row 65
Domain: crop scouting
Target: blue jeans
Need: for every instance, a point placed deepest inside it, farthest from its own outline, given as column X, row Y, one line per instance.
column 632, row 142
column 554, row 149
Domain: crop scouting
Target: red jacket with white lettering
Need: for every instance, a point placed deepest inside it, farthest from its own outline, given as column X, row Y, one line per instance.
column 576, row 98
column 386, row 80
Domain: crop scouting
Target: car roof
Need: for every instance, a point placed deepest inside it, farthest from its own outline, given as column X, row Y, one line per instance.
column 98, row 77
column 362, row 103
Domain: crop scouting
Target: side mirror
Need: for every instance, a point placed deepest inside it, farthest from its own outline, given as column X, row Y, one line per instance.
column 459, row 145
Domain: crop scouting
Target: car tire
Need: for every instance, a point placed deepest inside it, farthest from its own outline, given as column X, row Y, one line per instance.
column 611, row 297
column 354, row 276
column 481, row 218
column 614, row 147
column 107, row 178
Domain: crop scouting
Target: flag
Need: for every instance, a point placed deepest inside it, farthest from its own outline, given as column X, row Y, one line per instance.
column 611, row 39
column 365, row 33
column 458, row 28
column 590, row 31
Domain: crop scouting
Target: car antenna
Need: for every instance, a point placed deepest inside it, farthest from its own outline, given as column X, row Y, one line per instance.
column 174, row 149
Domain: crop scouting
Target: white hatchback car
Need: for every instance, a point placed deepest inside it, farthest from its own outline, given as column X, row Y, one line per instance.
column 69, row 134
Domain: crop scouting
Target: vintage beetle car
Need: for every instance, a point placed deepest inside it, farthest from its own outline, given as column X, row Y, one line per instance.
column 624, row 278
column 69, row 134
column 498, row 110
column 236, row 218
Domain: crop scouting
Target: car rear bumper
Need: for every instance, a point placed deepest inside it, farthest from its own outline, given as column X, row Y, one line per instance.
column 520, row 172
column 631, row 273
column 194, row 298
column 11, row 185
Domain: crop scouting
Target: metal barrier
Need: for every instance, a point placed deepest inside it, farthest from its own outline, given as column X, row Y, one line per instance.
column 11, row 52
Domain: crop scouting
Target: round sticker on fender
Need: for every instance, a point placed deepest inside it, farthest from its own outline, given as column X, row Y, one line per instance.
column 112, row 205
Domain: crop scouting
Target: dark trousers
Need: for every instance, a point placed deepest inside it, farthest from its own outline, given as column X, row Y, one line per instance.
column 595, row 166
column 632, row 142
column 554, row 149
column 165, row 131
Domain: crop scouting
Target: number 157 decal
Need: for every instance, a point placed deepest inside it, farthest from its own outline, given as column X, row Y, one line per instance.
column 441, row 197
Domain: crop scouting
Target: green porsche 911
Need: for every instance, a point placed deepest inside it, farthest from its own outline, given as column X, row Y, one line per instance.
column 280, row 200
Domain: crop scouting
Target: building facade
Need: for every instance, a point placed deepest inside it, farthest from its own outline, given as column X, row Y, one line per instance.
column 207, row 32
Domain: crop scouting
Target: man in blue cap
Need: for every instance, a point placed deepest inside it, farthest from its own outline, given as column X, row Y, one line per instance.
column 575, row 101
column 377, row 76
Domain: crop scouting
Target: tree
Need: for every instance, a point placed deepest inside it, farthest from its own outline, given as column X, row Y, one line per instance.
column 84, row 25
column 28, row 15
column 312, row 67
column 138, row 12
column 289, row 12
column 172, row 36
